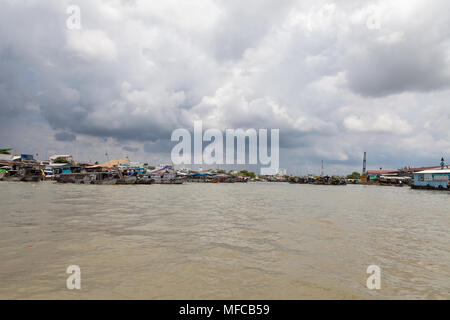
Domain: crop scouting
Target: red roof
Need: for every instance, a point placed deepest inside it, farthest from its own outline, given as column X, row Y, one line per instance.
column 379, row 171
column 407, row 170
column 423, row 168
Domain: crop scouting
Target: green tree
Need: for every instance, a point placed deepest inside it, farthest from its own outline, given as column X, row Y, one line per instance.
column 61, row 160
column 354, row 175
column 5, row 151
column 247, row 173
column 251, row 175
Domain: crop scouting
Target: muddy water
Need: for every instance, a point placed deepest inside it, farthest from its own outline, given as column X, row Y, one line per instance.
column 220, row 241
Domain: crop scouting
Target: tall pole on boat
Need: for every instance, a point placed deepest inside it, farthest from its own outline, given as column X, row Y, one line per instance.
column 364, row 164
column 321, row 172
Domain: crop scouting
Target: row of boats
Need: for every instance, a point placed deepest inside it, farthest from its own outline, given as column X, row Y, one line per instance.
column 164, row 175
column 116, row 177
column 18, row 171
column 21, row 173
column 126, row 174
column 325, row 180
column 33, row 172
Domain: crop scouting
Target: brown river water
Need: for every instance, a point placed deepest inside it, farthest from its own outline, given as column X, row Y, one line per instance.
column 223, row 241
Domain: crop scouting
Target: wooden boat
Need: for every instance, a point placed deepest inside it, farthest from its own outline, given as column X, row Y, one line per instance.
column 105, row 178
column 27, row 174
column 127, row 180
column 78, row 178
column 88, row 178
column 174, row 181
column 145, row 180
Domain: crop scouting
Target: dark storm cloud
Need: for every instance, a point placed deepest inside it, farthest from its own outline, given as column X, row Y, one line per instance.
column 160, row 146
column 399, row 58
column 130, row 149
column 243, row 26
column 397, row 70
column 65, row 136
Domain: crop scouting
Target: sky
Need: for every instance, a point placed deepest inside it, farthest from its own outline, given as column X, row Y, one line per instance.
column 336, row 78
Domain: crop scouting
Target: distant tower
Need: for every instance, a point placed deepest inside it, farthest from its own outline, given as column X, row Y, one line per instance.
column 442, row 163
column 321, row 172
column 364, row 164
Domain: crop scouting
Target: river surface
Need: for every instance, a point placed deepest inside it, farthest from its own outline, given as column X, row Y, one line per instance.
column 223, row 241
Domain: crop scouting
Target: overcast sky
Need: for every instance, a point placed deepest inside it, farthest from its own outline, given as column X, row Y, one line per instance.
column 337, row 78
